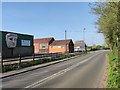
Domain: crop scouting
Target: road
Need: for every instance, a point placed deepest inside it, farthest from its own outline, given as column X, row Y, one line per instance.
column 83, row 72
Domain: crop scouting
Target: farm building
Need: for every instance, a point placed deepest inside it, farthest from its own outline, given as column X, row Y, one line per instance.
column 79, row 46
column 41, row 45
column 59, row 46
column 15, row 44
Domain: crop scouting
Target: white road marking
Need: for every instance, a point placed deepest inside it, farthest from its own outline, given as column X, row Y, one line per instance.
column 58, row 73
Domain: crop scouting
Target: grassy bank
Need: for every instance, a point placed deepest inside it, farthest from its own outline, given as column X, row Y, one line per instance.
column 113, row 75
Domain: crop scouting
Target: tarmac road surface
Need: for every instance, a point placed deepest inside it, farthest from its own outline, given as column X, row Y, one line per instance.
column 82, row 72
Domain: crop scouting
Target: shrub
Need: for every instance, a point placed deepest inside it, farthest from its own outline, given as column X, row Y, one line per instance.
column 113, row 76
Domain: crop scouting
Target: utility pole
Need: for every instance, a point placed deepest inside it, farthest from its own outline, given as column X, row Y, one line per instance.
column 66, row 39
column 84, row 34
column 84, row 39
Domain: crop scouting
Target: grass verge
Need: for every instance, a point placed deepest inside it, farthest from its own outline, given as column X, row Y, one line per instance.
column 113, row 75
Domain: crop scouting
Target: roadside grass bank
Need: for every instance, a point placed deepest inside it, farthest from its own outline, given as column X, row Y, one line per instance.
column 16, row 66
column 114, row 68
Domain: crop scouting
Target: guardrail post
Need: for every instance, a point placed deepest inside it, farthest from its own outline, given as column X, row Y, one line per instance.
column 19, row 61
column 2, row 66
column 33, row 57
column 56, row 55
column 51, row 55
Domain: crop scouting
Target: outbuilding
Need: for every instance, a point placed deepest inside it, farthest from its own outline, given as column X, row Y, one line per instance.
column 80, row 46
column 62, row 46
column 41, row 45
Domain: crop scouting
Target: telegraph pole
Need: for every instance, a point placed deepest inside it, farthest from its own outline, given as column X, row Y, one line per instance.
column 84, row 39
column 66, row 39
column 84, row 34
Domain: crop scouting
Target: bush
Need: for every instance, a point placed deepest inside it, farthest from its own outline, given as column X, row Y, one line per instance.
column 113, row 76
column 9, row 67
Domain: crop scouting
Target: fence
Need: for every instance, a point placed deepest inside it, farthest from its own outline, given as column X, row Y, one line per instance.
column 21, row 62
column 30, row 58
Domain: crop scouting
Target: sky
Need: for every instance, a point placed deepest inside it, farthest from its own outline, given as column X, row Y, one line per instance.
column 51, row 19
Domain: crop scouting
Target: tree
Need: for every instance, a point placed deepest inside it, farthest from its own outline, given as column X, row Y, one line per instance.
column 109, row 24
column 108, row 21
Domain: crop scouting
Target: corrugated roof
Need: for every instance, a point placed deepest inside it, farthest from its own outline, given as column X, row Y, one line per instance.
column 61, row 42
column 43, row 40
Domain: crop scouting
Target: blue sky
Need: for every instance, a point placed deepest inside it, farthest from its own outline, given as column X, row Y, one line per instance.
column 51, row 20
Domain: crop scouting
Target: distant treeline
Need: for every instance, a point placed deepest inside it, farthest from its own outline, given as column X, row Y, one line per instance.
column 98, row 47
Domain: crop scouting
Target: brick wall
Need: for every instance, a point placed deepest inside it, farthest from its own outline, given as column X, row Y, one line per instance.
column 40, row 50
column 57, row 49
column 36, row 47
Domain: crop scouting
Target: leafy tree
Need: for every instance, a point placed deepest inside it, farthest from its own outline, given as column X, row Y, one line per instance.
column 108, row 21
